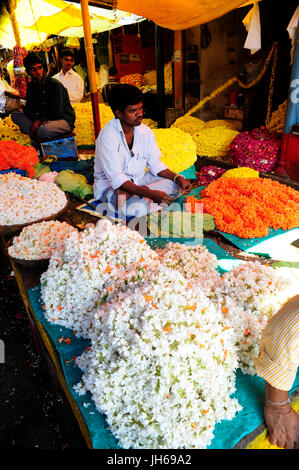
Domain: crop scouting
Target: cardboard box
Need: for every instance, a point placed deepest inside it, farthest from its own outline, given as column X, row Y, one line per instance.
column 231, row 112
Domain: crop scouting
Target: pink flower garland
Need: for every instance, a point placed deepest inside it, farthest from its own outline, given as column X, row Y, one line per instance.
column 258, row 149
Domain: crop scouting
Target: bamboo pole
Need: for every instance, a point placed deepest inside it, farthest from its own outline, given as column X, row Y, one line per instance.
column 91, row 66
column 160, row 76
column 10, row 6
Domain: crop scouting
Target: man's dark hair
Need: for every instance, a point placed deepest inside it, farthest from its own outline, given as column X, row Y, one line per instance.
column 123, row 95
column 31, row 59
column 112, row 71
column 67, row 53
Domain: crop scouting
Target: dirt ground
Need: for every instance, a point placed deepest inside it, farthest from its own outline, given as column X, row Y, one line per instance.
column 34, row 413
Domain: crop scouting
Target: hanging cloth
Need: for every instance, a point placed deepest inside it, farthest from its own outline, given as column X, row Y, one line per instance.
column 292, row 28
column 252, row 24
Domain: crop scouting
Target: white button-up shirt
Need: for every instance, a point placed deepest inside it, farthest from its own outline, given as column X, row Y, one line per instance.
column 73, row 83
column 115, row 163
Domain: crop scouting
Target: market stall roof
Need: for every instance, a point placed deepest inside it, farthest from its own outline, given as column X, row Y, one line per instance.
column 176, row 14
column 37, row 19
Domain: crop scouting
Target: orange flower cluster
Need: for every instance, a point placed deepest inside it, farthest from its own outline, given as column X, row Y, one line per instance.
column 15, row 155
column 247, row 207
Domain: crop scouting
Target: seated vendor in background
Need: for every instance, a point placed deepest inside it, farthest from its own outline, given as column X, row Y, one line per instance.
column 48, row 112
column 124, row 148
column 69, row 78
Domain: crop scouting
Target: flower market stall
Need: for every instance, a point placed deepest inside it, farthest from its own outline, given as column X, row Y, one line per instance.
column 152, row 336
column 109, row 314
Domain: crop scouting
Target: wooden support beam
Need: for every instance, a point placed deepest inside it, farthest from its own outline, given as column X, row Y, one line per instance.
column 160, row 76
column 90, row 59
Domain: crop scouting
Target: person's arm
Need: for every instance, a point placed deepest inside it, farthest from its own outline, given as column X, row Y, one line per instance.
column 180, row 180
column 277, row 363
column 281, row 420
column 78, row 90
column 156, row 196
column 158, row 168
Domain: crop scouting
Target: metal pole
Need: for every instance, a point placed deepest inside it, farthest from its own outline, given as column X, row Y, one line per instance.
column 160, row 76
column 91, row 66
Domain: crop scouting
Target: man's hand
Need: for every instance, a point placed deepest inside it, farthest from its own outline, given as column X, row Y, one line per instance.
column 34, row 127
column 283, row 426
column 121, row 197
column 183, row 184
column 160, row 197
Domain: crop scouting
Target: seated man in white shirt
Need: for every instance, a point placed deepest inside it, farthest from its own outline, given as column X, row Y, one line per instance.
column 124, row 148
column 70, row 79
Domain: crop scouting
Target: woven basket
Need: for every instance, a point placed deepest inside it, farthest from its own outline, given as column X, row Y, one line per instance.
column 9, row 229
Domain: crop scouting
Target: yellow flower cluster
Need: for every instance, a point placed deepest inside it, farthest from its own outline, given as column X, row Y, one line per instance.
column 212, row 138
column 150, row 123
column 10, row 131
column 150, row 78
column 214, row 142
column 84, row 126
column 189, row 124
column 278, row 118
column 178, row 150
column 219, row 123
column 241, row 172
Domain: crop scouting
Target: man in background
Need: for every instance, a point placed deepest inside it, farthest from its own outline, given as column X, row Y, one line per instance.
column 48, row 112
column 112, row 81
column 70, row 79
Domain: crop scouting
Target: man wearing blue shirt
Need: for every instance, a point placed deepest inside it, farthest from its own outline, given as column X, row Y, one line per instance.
column 125, row 148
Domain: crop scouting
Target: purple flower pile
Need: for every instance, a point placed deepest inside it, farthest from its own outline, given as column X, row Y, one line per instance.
column 258, row 149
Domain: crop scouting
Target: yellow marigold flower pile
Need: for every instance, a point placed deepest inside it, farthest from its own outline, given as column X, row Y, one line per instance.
column 84, row 126
column 241, row 172
column 214, row 142
column 150, row 123
column 10, row 131
column 278, row 118
column 189, row 124
column 150, row 78
column 178, row 150
column 219, row 123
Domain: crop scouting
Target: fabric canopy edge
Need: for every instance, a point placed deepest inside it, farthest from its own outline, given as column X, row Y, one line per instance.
column 178, row 14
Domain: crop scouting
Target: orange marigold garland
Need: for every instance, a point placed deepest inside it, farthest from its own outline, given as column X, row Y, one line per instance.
column 248, row 207
column 15, row 155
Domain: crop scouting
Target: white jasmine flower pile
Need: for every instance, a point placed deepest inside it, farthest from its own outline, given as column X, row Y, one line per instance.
column 167, row 332
column 95, row 263
column 23, row 200
column 195, row 263
column 39, row 241
column 249, row 295
column 161, row 365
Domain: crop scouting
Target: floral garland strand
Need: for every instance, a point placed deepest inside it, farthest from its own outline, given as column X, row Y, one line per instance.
column 232, row 81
